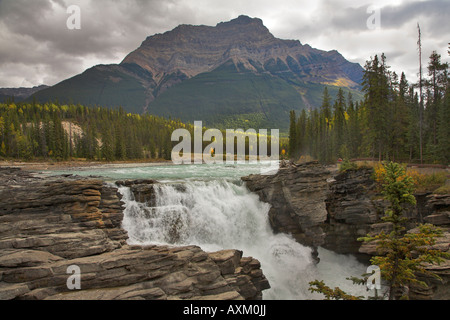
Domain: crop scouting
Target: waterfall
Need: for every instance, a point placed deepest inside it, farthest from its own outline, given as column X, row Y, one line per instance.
column 220, row 214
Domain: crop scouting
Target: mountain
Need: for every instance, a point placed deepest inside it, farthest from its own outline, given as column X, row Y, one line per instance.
column 236, row 74
column 19, row 94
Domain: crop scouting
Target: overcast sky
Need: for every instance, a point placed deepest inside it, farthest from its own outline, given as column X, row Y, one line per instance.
column 37, row 47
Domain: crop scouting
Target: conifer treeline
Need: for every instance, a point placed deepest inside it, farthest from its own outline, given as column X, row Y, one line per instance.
column 386, row 125
column 51, row 131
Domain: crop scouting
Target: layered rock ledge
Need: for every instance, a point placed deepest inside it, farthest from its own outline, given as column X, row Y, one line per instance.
column 48, row 225
column 297, row 195
column 322, row 207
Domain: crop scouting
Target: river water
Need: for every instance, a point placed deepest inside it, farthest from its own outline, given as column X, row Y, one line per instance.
column 209, row 206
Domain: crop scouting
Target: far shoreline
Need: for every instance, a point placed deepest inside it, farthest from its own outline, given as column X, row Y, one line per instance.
column 79, row 164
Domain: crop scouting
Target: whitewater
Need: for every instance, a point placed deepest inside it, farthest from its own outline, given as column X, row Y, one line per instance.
column 209, row 206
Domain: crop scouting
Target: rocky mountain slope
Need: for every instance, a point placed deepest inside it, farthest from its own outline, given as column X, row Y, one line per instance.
column 247, row 43
column 235, row 73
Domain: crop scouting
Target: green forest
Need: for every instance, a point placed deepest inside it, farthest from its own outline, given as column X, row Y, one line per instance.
column 33, row 131
column 66, row 132
column 393, row 121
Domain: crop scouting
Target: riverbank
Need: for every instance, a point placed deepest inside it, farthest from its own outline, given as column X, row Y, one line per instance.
column 80, row 164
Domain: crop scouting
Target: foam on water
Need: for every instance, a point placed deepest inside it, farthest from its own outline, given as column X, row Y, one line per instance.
column 209, row 206
column 219, row 214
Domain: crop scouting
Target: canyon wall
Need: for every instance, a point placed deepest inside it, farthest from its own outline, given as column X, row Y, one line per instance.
column 321, row 207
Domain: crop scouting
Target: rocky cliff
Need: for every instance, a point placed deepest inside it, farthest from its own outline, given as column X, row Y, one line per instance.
column 297, row 196
column 353, row 210
column 322, row 207
column 191, row 50
column 48, row 225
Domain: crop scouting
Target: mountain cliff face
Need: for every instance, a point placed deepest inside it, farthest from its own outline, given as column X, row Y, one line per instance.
column 244, row 42
column 235, row 73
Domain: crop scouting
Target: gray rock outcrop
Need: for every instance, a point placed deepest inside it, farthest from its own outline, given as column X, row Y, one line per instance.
column 297, row 195
column 353, row 210
column 48, row 225
column 320, row 207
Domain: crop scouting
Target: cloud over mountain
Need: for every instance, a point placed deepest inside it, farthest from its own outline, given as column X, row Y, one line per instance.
column 38, row 48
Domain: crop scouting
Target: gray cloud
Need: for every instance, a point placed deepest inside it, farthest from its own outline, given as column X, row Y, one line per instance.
column 343, row 26
column 36, row 46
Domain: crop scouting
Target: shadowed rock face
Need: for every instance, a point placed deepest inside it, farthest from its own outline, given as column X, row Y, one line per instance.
column 47, row 225
column 320, row 207
column 297, row 195
column 190, row 50
column 351, row 210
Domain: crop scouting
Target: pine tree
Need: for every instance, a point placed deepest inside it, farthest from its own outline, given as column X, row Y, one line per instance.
column 339, row 127
column 353, row 138
column 413, row 127
column 443, row 147
column 376, row 88
column 107, row 148
column 401, row 255
column 324, row 127
column 301, row 132
column 400, row 120
column 120, row 148
column 436, row 89
column 293, row 147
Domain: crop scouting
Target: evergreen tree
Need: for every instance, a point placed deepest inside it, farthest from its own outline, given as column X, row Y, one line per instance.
column 399, row 120
column 354, row 131
column 293, row 147
column 301, row 132
column 107, row 148
column 402, row 255
column 443, row 147
column 436, row 87
column 120, row 148
column 376, row 88
column 339, row 126
column 413, row 126
column 323, row 125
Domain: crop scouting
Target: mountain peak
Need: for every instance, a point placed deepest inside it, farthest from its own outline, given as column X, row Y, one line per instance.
column 236, row 69
column 245, row 24
column 193, row 49
column 242, row 20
